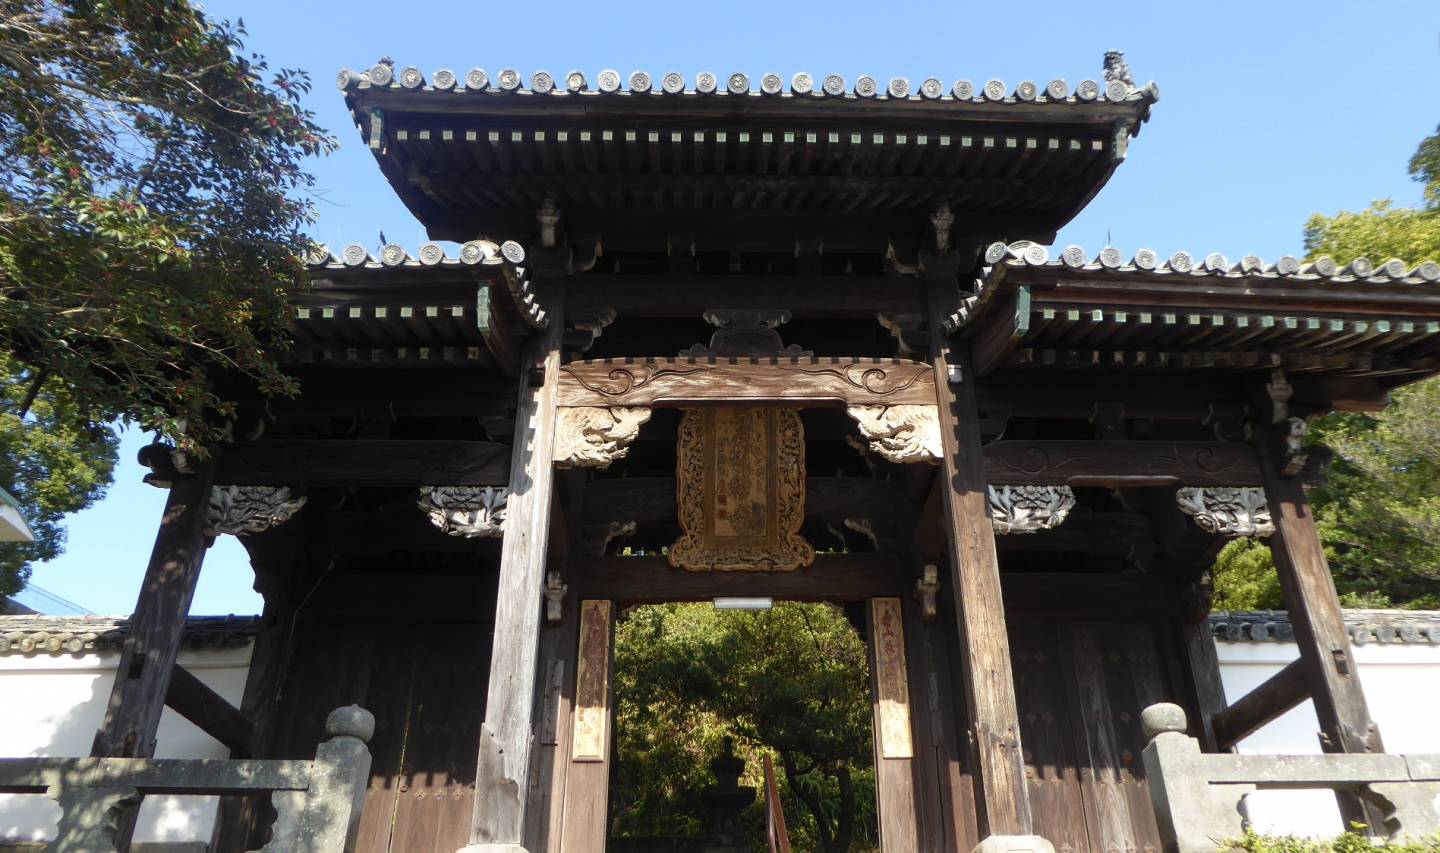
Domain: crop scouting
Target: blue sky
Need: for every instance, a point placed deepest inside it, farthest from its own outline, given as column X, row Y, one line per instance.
column 1271, row 110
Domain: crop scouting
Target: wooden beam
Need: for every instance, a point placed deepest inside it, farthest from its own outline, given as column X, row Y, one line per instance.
column 1121, row 463
column 809, row 381
column 989, row 684
column 1280, row 692
column 502, row 774
column 993, row 344
column 308, row 463
column 147, row 659
column 832, row 577
column 1325, row 654
column 805, row 296
column 193, row 699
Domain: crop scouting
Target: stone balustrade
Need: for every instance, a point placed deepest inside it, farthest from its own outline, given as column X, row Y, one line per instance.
column 1199, row 797
column 317, row 802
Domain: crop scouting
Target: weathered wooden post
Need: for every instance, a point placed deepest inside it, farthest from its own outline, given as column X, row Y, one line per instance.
column 503, row 767
column 1314, row 605
column 1004, row 803
column 142, row 677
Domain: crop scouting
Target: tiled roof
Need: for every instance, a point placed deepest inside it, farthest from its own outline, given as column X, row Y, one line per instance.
column 611, row 83
column 36, row 634
column 1420, row 627
column 1322, row 269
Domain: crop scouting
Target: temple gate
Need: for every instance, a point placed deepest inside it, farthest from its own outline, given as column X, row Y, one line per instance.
column 715, row 326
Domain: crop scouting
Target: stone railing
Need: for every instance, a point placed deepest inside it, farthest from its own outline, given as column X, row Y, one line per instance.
column 1199, row 797
column 317, row 802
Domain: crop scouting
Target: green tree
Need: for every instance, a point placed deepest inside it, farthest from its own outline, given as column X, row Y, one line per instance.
column 151, row 229
column 52, row 464
column 792, row 681
column 1379, row 508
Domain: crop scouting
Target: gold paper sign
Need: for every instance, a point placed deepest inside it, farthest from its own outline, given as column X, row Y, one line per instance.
column 592, row 683
column 891, row 688
column 741, row 490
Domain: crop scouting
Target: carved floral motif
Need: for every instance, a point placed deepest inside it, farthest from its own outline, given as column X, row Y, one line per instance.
column 1026, row 509
column 470, row 512
column 243, row 510
column 741, row 490
column 593, row 437
column 900, row 433
column 1228, row 510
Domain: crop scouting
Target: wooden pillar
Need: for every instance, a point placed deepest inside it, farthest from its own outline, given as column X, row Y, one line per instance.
column 505, row 736
column 592, row 738
column 1325, row 655
column 980, row 613
column 895, row 736
column 142, row 677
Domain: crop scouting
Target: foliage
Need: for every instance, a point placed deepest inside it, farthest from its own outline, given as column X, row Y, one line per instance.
column 150, row 233
column 149, row 226
column 1379, row 509
column 792, row 681
column 52, row 465
column 1245, row 578
column 1380, row 232
column 1350, row 842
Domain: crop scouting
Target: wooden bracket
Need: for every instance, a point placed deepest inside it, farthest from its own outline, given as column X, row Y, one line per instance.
column 555, row 591
column 926, row 588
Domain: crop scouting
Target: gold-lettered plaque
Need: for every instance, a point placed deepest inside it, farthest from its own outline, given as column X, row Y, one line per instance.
column 740, row 490
column 891, row 688
column 592, row 683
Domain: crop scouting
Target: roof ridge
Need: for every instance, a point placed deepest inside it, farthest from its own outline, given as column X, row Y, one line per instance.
column 1324, row 268
column 383, row 75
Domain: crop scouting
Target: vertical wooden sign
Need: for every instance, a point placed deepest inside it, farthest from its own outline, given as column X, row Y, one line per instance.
column 592, row 683
column 892, row 692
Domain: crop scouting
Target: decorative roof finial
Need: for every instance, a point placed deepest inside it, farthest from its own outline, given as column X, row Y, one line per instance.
column 1117, row 70
column 385, row 60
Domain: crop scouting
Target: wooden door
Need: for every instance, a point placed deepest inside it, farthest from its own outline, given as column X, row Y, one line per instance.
column 1080, row 687
column 425, row 684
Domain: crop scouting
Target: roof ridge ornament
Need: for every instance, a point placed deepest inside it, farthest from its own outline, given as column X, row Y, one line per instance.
column 1116, row 69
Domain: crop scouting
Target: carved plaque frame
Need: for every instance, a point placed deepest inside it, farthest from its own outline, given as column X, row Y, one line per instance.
column 740, row 490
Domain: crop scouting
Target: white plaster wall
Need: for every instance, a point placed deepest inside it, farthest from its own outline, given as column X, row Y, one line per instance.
column 1402, row 688
column 51, row 705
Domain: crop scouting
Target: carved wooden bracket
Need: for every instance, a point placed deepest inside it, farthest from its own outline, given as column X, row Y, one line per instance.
column 596, row 538
column 1228, row 511
column 926, row 588
column 471, row 512
column 1026, row 509
column 906, row 433
column 554, row 598
column 243, row 510
column 864, row 528
column 594, row 436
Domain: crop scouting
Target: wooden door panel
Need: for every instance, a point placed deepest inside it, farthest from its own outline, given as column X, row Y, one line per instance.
column 1080, row 687
column 1044, row 701
column 435, row 783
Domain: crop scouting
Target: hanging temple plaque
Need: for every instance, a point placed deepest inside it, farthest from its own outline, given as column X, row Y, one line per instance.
column 740, row 490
